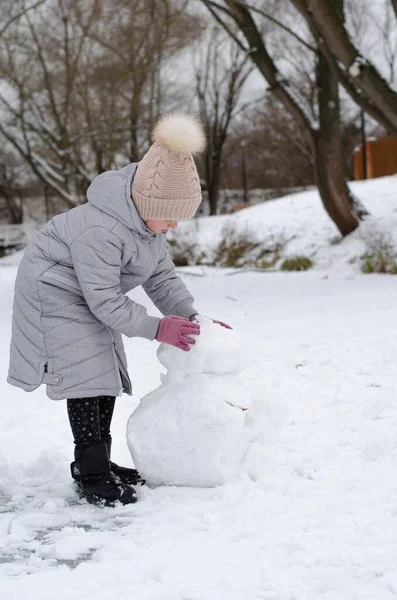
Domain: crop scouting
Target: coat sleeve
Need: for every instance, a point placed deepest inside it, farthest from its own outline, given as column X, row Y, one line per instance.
column 167, row 291
column 96, row 257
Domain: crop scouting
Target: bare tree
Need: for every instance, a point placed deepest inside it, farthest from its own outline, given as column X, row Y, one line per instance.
column 41, row 59
column 324, row 141
column 220, row 76
column 139, row 38
column 83, row 84
column 278, row 151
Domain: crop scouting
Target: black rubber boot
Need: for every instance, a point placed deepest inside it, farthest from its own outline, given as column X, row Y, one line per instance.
column 126, row 475
column 97, row 483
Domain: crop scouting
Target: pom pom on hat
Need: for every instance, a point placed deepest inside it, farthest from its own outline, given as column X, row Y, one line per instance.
column 180, row 132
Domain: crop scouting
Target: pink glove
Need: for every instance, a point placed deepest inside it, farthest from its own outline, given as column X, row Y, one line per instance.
column 221, row 323
column 175, row 331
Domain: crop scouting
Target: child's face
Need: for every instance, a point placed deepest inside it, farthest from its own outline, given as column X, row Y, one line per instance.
column 158, row 226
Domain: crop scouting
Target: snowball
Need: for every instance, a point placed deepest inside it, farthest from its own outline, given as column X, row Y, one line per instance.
column 217, row 350
column 191, row 433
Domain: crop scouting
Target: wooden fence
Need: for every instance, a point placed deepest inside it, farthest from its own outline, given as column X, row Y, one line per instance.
column 381, row 158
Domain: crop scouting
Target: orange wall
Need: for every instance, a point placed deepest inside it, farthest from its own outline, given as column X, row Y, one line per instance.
column 381, row 158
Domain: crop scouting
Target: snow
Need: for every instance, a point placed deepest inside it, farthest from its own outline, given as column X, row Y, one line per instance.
column 320, row 520
column 198, row 427
column 356, row 66
column 217, row 351
column 188, row 434
column 355, row 69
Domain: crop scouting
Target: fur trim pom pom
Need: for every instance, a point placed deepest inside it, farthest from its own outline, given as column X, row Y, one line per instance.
column 180, row 132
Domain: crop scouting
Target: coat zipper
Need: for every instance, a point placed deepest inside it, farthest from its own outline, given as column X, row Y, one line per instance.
column 118, row 375
column 121, row 368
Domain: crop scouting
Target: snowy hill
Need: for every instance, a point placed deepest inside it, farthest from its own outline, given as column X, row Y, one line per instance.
column 300, row 225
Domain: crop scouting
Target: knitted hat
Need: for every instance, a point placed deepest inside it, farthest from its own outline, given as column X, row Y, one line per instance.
column 166, row 183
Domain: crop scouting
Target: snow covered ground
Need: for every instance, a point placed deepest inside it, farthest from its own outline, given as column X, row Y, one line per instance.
column 300, row 225
column 321, row 521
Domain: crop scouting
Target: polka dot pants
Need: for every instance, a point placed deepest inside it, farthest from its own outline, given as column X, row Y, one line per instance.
column 90, row 419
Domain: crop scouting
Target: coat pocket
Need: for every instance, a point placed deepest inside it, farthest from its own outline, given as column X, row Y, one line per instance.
column 48, row 377
column 62, row 279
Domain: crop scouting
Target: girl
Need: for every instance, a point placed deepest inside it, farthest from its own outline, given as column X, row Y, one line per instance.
column 70, row 303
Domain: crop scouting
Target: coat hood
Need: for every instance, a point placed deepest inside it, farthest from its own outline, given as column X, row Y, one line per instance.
column 111, row 193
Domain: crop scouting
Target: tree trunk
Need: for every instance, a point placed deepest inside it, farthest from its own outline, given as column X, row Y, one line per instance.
column 213, row 193
column 133, row 127
column 394, row 4
column 333, row 188
column 11, row 196
column 213, row 177
column 15, row 209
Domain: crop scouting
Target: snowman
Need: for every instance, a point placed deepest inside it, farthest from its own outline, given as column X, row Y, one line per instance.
column 200, row 426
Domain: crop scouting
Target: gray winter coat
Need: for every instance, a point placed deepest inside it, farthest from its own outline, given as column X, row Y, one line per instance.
column 70, row 307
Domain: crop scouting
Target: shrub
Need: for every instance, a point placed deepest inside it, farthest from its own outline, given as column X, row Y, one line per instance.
column 380, row 257
column 241, row 249
column 379, row 263
column 185, row 253
column 272, row 255
column 234, row 252
column 297, row 263
column 235, row 249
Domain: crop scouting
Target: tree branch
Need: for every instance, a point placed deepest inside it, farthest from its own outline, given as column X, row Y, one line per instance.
column 19, row 15
column 281, row 25
column 47, row 77
column 68, row 199
column 211, row 6
column 266, row 66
